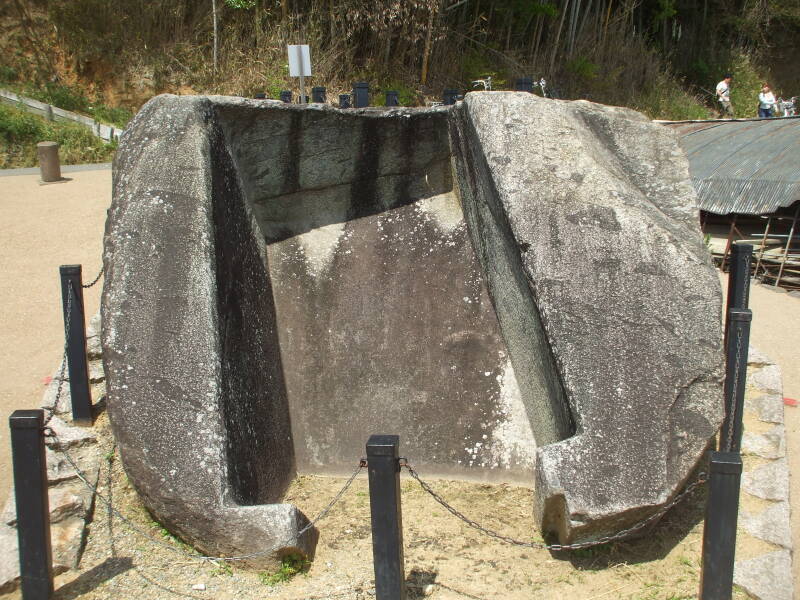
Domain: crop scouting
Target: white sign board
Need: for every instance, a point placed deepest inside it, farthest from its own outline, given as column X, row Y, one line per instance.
column 299, row 61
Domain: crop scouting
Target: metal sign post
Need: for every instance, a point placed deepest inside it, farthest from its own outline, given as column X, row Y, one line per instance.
column 300, row 66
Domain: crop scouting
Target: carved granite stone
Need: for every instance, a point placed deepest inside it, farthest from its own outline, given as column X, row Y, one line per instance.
column 283, row 281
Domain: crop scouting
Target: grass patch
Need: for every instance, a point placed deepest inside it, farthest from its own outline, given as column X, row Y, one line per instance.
column 20, row 131
column 291, row 565
column 666, row 99
column 66, row 97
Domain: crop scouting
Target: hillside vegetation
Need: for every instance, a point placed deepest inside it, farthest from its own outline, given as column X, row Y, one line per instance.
column 20, row 131
column 659, row 56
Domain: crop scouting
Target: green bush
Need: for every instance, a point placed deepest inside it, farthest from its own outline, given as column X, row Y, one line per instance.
column 114, row 115
column 62, row 96
column 8, row 74
column 20, row 131
column 665, row 98
column 746, row 86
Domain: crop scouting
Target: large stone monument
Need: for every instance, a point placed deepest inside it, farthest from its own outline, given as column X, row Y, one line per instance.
column 283, row 281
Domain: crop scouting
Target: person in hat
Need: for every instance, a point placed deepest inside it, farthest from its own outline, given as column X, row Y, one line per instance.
column 724, row 95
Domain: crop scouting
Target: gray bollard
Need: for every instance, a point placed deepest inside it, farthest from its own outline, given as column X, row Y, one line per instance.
column 383, row 464
column 33, row 505
column 736, row 350
column 719, row 530
column 739, row 276
column 75, row 332
column 49, row 163
column 318, row 94
column 360, row 94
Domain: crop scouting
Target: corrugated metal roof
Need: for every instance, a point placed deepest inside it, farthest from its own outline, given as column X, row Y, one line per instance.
column 743, row 166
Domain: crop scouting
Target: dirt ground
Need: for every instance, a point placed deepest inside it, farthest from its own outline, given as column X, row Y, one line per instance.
column 43, row 226
column 58, row 224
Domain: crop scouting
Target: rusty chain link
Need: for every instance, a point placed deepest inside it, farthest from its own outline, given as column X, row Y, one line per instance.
column 96, row 279
column 49, row 432
column 554, row 547
column 733, row 391
column 51, row 412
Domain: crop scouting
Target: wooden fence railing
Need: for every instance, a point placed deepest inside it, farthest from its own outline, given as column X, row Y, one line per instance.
column 53, row 113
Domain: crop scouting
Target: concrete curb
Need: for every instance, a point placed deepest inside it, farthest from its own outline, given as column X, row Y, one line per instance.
column 64, row 169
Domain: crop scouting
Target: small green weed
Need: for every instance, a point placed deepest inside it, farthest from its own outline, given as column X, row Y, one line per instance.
column 291, row 565
column 221, row 569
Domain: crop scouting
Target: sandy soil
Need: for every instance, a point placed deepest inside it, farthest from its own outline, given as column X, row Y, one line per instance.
column 444, row 558
column 44, row 226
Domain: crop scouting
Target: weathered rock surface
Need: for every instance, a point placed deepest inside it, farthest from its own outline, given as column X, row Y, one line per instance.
column 283, row 281
column 586, row 223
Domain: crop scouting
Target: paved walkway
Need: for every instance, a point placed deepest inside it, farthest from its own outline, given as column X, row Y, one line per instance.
column 46, row 226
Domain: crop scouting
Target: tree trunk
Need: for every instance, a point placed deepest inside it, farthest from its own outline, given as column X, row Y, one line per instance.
column 558, row 37
column 423, row 79
column 216, row 32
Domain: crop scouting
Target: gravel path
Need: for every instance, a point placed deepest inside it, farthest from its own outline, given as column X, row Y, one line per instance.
column 44, row 226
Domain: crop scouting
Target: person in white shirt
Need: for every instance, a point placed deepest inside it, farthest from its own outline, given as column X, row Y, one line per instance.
column 724, row 95
column 766, row 102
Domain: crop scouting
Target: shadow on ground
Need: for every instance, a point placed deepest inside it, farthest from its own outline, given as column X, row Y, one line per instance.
column 92, row 578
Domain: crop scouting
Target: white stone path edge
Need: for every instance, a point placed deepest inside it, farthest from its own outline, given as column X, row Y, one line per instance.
column 765, row 483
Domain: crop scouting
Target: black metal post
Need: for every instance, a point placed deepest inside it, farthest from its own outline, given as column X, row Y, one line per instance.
column 75, row 330
column 383, row 465
column 286, row 96
column 392, row 98
column 344, row 100
column 360, row 94
column 318, row 94
column 736, row 351
column 738, row 279
column 719, row 531
column 33, row 505
column 449, row 97
column 523, row 84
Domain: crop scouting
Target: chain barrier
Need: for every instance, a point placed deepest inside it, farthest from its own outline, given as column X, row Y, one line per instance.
column 110, row 513
column 96, row 279
column 51, row 412
column 49, row 432
column 733, row 391
column 625, row 533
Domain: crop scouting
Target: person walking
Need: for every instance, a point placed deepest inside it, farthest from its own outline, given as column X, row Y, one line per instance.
column 766, row 102
column 724, row 95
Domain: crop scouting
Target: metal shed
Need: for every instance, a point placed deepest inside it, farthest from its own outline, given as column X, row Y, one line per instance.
column 747, row 176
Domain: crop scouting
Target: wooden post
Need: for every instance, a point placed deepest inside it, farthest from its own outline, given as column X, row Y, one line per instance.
column 788, row 244
column 763, row 245
column 728, row 244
